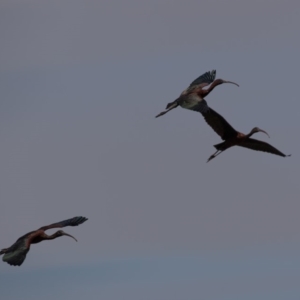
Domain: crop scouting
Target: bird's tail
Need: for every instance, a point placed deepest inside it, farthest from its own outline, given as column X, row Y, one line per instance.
column 219, row 146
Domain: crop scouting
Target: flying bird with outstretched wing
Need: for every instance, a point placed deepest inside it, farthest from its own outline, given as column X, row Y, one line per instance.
column 232, row 137
column 16, row 254
column 192, row 97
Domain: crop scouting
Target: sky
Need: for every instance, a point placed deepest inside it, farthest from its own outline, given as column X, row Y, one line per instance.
column 80, row 85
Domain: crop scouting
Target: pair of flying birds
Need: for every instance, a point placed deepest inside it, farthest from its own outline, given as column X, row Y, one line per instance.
column 192, row 98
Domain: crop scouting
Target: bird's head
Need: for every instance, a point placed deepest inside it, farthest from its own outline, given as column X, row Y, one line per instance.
column 61, row 233
column 256, row 129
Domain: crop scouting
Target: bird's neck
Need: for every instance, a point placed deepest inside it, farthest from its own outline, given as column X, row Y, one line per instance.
column 249, row 134
column 51, row 237
column 211, row 87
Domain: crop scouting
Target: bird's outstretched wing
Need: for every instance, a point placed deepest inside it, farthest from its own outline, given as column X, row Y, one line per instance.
column 219, row 124
column 260, row 146
column 70, row 222
column 16, row 254
column 204, row 79
column 198, row 106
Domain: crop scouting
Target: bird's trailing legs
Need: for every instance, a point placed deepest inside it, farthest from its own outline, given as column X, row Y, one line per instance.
column 174, row 105
column 214, row 155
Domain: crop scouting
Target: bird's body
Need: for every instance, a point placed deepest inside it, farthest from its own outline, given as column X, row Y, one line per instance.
column 192, row 97
column 233, row 137
column 16, row 254
column 192, row 101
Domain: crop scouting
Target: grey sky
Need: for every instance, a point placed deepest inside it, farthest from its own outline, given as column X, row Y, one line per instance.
column 81, row 82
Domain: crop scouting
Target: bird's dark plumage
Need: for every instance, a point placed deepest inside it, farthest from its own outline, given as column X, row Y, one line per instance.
column 70, row 222
column 206, row 78
column 203, row 80
column 219, row 124
column 261, row 146
column 16, row 254
column 232, row 137
column 192, row 97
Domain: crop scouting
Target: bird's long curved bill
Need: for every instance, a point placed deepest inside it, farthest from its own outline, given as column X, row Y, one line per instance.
column 167, row 110
column 264, row 132
column 225, row 81
column 69, row 236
